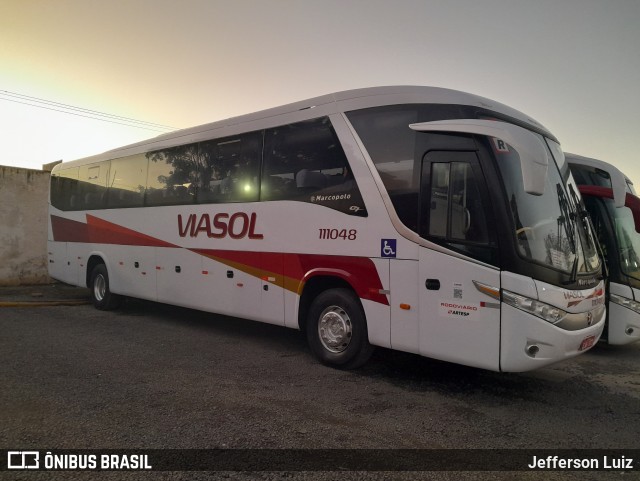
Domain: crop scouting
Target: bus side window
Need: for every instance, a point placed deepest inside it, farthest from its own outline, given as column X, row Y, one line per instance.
column 127, row 180
column 230, row 168
column 391, row 145
column 439, row 200
column 466, row 217
column 454, row 213
column 305, row 162
column 584, row 175
column 92, row 186
column 64, row 188
column 455, row 208
column 172, row 175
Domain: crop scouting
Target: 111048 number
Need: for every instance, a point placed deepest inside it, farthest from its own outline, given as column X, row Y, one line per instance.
column 350, row 234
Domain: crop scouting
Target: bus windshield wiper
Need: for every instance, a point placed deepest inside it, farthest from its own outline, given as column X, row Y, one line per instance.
column 583, row 215
column 573, row 277
column 587, row 230
column 567, row 220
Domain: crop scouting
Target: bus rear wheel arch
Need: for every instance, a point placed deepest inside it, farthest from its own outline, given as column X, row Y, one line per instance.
column 336, row 329
column 101, row 294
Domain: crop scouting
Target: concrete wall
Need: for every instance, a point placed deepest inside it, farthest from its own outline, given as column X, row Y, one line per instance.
column 23, row 226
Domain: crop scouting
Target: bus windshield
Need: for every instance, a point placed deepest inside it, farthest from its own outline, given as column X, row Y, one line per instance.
column 627, row 237
column 551, row 229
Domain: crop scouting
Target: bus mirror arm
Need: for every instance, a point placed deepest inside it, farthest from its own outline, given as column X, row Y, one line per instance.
column 534, row 159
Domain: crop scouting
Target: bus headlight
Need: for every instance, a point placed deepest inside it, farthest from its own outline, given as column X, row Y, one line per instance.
column 544, row 311
column 625, row 302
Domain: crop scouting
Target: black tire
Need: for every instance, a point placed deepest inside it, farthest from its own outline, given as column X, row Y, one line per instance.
column 102, row 297
column 337, row 330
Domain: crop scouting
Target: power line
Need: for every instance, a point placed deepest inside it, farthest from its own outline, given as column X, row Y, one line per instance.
column 86, row 116
column 71, row 107
column 82, row 112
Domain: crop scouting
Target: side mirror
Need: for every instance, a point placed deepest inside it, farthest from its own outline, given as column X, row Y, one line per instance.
column 534, row 159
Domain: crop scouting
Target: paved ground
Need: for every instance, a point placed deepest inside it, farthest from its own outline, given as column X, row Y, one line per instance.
column 49, row 294
column 154, row 376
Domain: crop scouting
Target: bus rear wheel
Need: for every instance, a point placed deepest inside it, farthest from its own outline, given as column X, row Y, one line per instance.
column 337, row 330
column 102, row 297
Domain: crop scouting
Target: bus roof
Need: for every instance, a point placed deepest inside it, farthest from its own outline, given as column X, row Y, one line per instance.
column 315, row 107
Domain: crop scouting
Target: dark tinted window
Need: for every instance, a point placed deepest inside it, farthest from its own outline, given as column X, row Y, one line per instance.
column 64, row 186
column 302, row 161
column 92, row 186
column 391, row 144
column 172, row 175
column 584, row 175
column 305, row 162
column 230, row 169
column 127, row 180
column 455, row 209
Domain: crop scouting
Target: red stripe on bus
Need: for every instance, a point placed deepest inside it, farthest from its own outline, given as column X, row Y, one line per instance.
column 104, row 232
column 100, row 231
column 297, row 269
column 290, row 271
column 67, row 230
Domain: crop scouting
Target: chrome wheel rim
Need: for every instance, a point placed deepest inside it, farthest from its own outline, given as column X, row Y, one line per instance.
column 335, row 329
column 99, row 287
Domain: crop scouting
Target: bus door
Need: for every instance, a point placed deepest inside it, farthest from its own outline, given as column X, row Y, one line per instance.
column 459, row 322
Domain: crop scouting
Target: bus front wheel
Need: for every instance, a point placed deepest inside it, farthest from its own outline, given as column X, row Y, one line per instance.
column 337, row 330
column 103, row 298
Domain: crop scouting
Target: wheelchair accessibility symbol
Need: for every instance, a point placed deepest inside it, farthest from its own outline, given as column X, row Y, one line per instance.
column 388, row 248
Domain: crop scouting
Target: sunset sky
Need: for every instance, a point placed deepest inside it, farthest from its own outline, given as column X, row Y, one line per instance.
column 573, row 65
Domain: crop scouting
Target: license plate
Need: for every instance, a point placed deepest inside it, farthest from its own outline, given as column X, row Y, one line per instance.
column 587, row 343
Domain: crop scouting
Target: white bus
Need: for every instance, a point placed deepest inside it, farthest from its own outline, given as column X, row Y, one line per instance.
column 414, row 218
column 611, row 200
